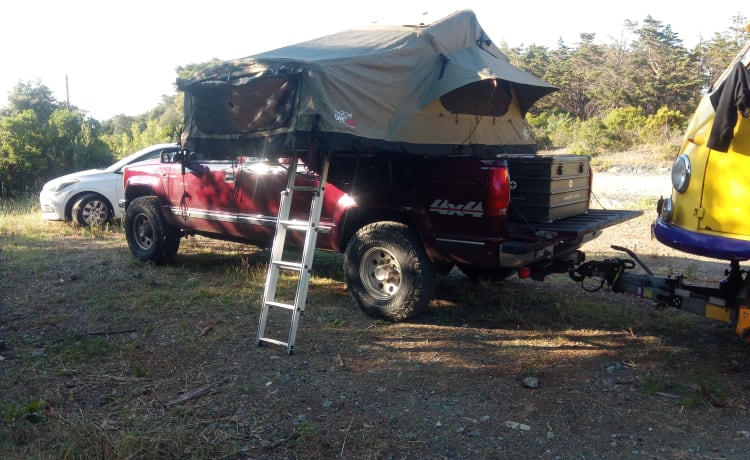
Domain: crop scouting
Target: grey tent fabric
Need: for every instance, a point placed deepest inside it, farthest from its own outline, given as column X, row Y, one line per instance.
column 437, row 89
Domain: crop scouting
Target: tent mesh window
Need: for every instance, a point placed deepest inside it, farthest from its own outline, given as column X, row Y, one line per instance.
column 264, row 104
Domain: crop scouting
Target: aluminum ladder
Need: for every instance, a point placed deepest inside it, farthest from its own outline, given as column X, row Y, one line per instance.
column 303, row 267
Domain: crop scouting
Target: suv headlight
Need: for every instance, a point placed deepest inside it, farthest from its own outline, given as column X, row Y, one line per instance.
column 681, row 173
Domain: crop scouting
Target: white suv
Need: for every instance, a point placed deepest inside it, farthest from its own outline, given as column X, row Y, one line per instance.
column 90, row 197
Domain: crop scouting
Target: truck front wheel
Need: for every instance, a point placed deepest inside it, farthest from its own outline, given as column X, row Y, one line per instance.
column 388, row 272
column 149, row 236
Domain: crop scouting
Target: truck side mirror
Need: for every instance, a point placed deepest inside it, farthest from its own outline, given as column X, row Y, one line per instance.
column 188, row 163
column 174, row 157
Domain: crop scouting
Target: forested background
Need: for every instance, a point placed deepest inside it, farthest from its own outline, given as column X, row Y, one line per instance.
column 628, row 93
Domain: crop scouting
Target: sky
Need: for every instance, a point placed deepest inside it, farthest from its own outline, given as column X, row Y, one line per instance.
column 119, row 57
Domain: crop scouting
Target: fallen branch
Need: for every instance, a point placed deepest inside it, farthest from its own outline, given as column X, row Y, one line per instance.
column 348, row 430
column 111, row 332
column 189, row 395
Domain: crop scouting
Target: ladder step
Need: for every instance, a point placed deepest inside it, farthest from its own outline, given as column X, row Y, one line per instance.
column 286, row 306
column 295, row 224
column 305, row 188
column 294, row 266
column 273, row 341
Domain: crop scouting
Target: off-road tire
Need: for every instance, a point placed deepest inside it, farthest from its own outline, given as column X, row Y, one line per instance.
column 388, row 272
column 91, row 210
column 149, row 236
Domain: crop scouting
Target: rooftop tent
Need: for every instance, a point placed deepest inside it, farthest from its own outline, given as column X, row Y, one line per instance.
column 437, row 89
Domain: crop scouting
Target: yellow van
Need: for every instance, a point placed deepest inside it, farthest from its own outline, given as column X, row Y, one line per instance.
column 708, row 213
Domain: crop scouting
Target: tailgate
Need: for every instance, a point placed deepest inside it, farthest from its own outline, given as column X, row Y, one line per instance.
column 571, row 227
column 532, row 243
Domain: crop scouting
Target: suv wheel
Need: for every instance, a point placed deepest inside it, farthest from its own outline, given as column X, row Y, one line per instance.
column 150, row 237
column 388, row 272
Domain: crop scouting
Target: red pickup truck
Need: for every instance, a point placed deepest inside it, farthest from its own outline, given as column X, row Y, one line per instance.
column 432, row 163
column 412, row 218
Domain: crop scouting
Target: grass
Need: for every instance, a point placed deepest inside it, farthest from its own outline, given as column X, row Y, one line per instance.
column 98, row 348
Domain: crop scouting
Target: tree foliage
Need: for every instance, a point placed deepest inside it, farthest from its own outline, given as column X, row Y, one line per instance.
column 41, row 138
column 607, row 90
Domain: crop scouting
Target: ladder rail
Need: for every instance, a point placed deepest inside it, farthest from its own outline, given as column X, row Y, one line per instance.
column 303, row 267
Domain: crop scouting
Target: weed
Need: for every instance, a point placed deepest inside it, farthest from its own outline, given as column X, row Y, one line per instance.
column 652, row 385
column 18, row 420
column 138, row 370
column 335, row 323
column 30, row 412
column 313, row 438
column 645, row 203
column 80, row 349
column 699, row 392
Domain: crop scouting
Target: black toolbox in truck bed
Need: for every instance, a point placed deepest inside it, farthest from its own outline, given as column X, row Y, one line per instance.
column 547, row 188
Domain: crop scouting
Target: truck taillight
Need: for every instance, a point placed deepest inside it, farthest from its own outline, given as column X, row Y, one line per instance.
column 498, row 198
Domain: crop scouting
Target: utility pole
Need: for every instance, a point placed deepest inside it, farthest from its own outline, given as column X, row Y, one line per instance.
column 67, row 92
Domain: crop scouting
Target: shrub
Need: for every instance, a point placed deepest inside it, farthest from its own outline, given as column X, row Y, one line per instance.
column 552, row 129
column 623, row 126
column 665, row 127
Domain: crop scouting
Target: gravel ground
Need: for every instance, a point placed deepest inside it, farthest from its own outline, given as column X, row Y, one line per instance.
column 626, row 190
column 514, row 370
column 633, row 191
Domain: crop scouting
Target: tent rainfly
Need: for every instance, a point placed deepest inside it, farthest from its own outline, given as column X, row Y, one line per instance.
column 438, row 89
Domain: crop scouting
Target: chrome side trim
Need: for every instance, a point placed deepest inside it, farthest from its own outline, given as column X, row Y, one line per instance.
column 449, row 240
column 203, row 214
column 241, row 219
column 247, row 219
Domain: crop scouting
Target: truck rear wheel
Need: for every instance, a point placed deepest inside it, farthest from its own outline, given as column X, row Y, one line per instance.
column 149, row 236
column 388, row 272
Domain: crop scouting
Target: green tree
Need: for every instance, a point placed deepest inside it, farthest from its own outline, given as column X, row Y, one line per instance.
column 22, row 143
column 74, row 143
column 662, row 71
column 125, row 135
column 715, row 54
column 41, row 139
column 580, row 78
column 32, row 95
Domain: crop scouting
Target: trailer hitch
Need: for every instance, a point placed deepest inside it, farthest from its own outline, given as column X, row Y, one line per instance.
column 608, row 271
column 635, row 258
column 664, row 291
column 729, row 302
